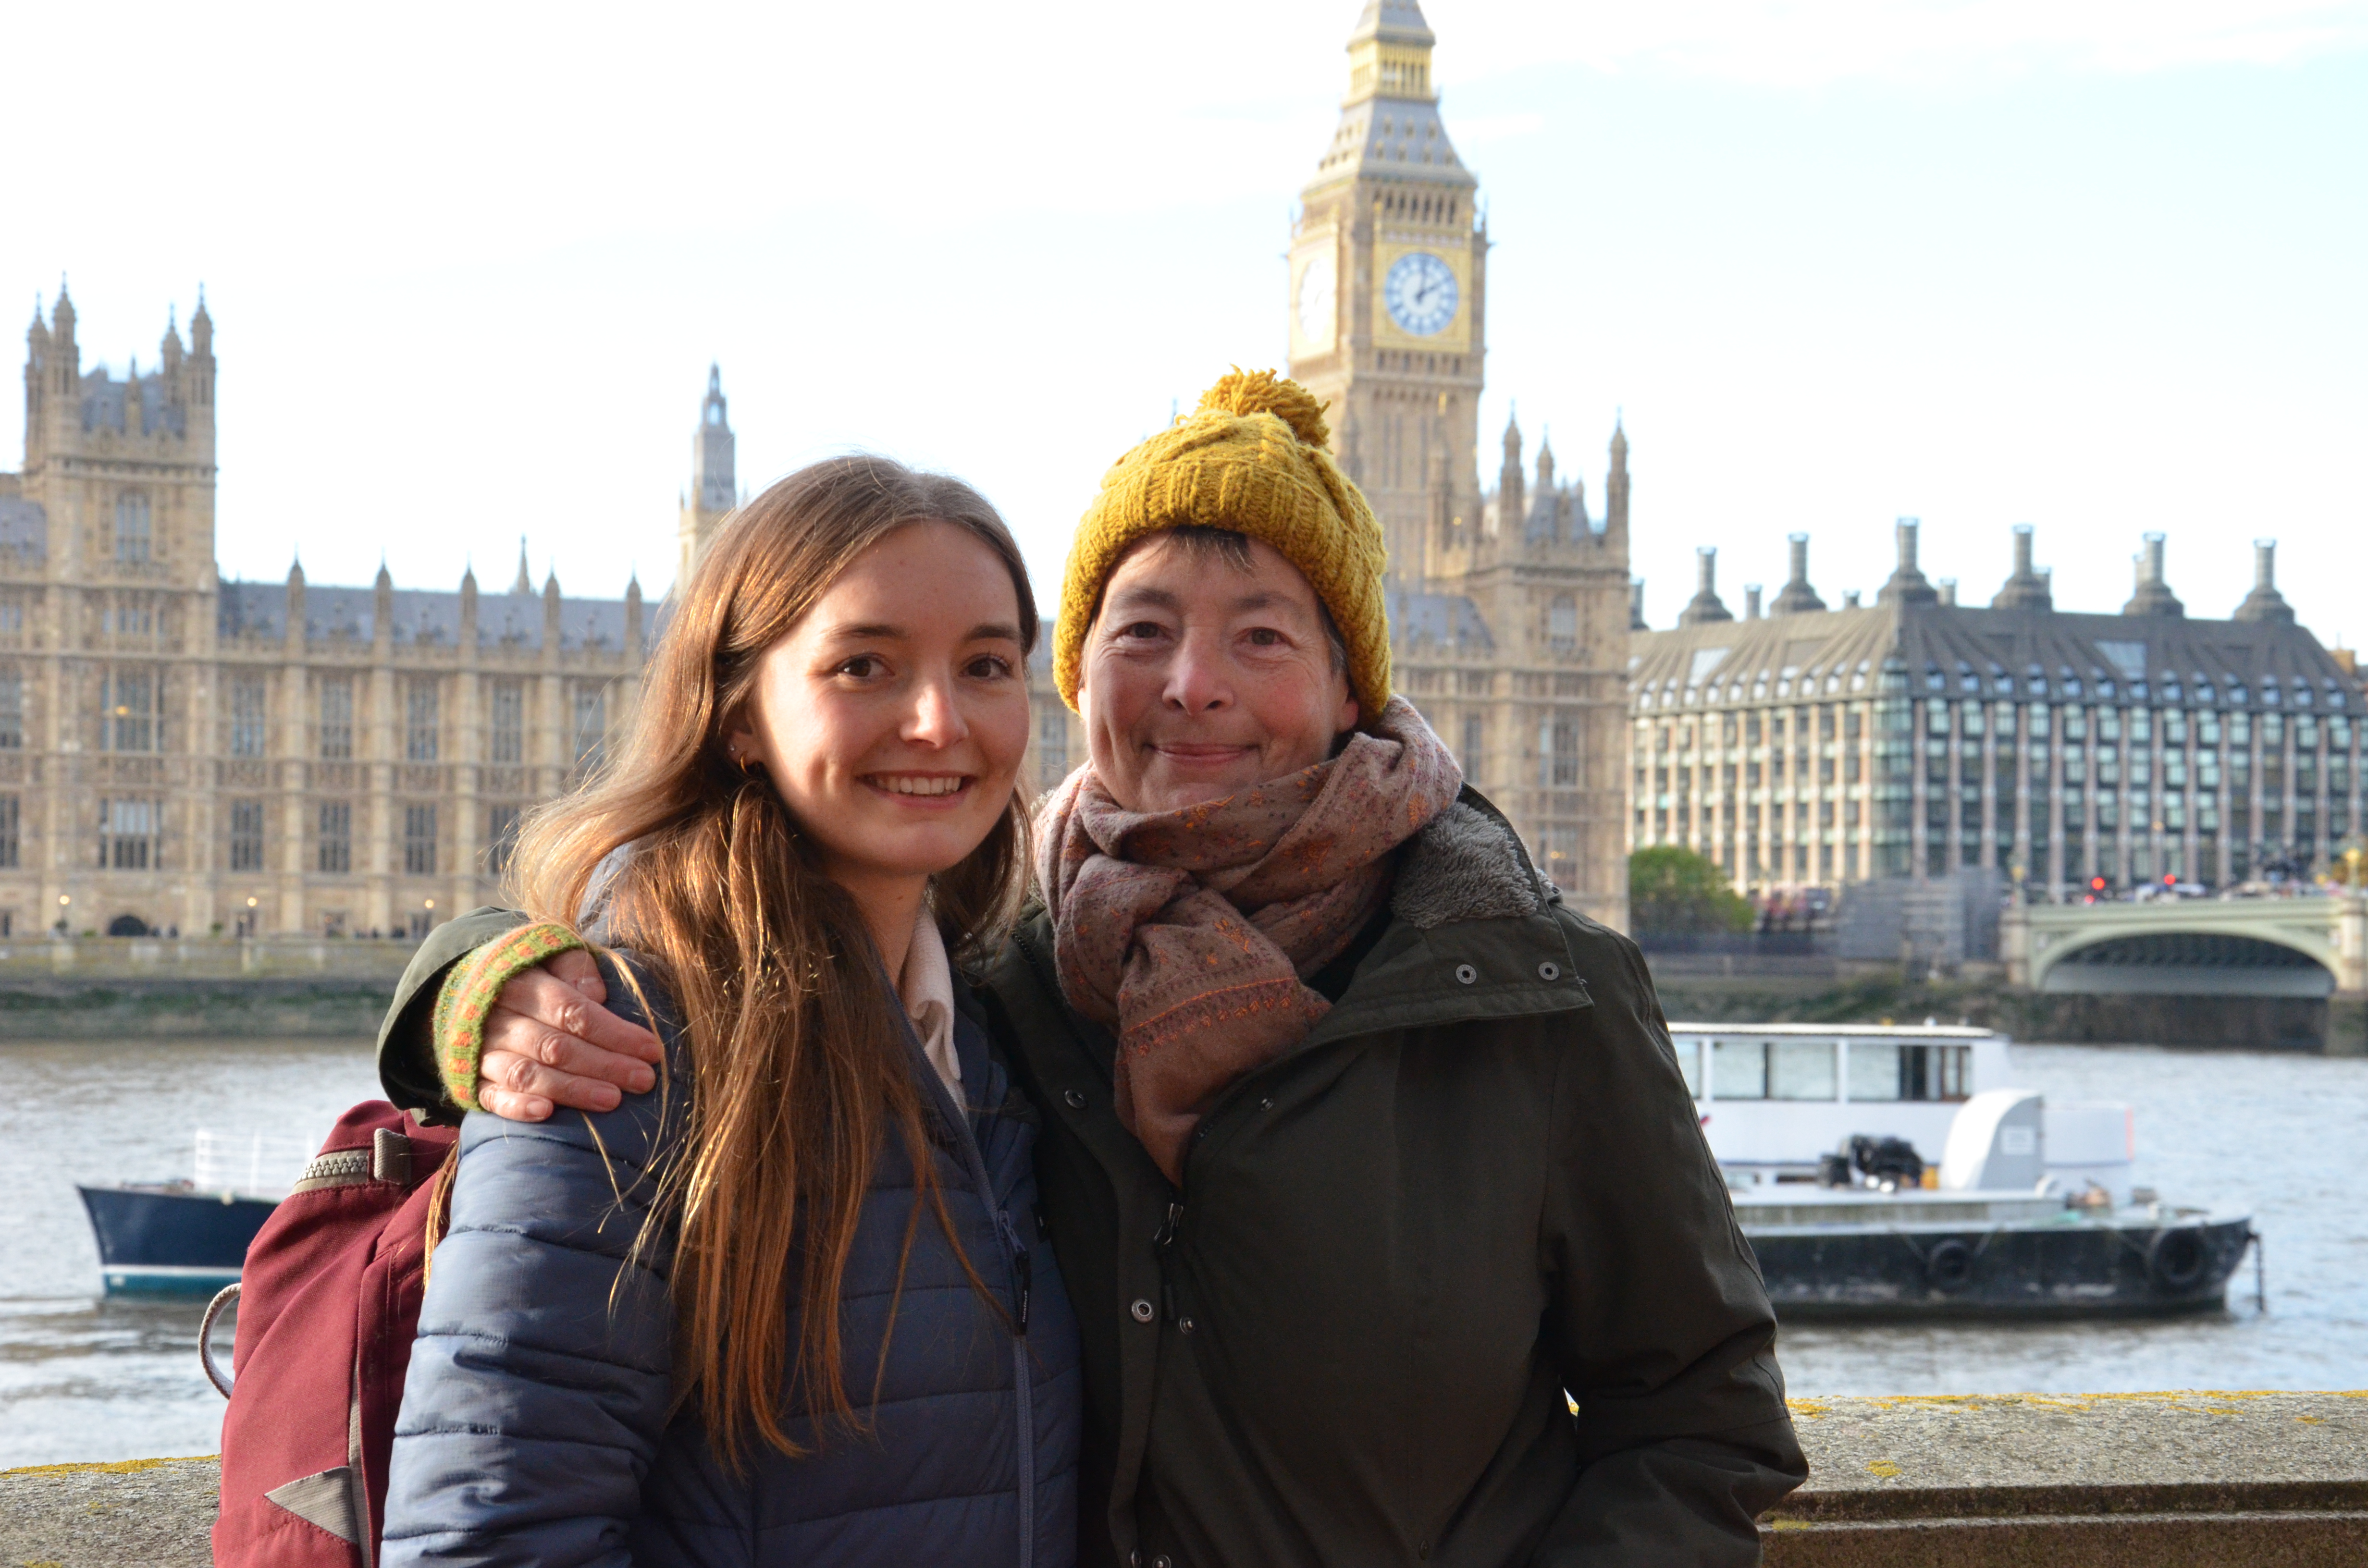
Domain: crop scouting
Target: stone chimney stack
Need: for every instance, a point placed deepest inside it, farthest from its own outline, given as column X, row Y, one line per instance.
column 2153, row 596
column 1907, row 583
column 2265, row 603
column 1751, row 601
column 1636, row 605
column 1798, row 598
column 2026, row 588
column 1705, row 607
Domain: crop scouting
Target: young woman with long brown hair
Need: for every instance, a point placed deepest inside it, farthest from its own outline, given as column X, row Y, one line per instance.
column 794, row 1306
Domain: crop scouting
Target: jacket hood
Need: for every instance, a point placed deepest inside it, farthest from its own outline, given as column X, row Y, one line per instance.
column 1468, row 865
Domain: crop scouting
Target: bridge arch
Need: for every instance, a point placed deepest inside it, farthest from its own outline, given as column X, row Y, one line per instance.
column 2190, row 962
column 2268, row 946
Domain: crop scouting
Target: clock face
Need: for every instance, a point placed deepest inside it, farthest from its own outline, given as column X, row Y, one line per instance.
column 1421, row 294
column 1315, row 302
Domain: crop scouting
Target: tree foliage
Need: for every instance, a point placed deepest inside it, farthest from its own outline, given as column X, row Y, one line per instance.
column 1673, row 891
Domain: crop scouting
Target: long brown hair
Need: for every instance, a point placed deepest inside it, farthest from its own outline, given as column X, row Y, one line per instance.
column 798, row 1066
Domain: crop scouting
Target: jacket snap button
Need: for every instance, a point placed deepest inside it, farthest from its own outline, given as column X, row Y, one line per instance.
column 1076, row 1101
column 1187, row 1324
column 1465, row 975
column 1134, row 1560
column 1549, row 971
column 1161, row 1561
column 1143, row 1310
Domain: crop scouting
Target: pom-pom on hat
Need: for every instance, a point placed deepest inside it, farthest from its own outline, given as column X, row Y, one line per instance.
column 1251, row 458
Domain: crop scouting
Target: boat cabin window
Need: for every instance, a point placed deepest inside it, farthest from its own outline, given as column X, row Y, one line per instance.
column 1883, row 1070
column 1739, row 1069
column 1770, row 1070
column 1690, row 1063
column 1801, row 1069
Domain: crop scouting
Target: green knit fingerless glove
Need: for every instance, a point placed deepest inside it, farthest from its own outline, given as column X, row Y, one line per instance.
column 472, row 987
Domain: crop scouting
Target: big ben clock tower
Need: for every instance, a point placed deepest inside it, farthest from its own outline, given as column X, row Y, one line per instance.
column 1388, row 266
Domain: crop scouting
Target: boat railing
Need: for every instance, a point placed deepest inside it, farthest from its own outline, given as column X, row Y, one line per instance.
column 252, row 1164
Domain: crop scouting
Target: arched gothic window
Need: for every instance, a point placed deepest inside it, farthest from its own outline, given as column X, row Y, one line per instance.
column 131, row 526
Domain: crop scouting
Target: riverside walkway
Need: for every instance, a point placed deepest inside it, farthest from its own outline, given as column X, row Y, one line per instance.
column 2123, row 1481
column 168, row 987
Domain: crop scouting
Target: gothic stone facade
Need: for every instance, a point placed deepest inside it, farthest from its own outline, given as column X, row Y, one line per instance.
column 1815, row 747
column 179, row 753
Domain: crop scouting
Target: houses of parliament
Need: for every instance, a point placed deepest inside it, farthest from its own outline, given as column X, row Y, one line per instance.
column 183, row 754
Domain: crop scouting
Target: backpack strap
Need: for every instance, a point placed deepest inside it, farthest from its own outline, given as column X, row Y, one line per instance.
column 222, row 1300
column 388, row 1159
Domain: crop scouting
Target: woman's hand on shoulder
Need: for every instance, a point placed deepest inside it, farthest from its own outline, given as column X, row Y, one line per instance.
column 551, row 1041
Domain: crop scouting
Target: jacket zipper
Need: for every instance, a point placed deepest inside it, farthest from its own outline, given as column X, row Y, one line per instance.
column 1021, row 1382
column 1016, row 1261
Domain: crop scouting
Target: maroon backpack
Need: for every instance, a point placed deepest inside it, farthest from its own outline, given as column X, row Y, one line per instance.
column 328, row 1304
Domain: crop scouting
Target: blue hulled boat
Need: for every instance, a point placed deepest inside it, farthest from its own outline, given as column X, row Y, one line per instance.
column 191, row 1235
column 170, row 1237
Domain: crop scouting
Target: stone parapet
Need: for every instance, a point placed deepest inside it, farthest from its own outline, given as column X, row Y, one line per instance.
column 155, row 1513
column 2124, row 1480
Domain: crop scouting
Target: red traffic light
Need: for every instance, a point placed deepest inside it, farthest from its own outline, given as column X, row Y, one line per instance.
column 2098, row 883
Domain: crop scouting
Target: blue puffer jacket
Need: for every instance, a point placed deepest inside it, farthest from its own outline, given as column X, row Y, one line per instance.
column 534, row 1426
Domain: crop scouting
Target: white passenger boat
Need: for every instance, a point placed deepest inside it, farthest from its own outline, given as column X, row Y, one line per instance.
column 1888, row 1171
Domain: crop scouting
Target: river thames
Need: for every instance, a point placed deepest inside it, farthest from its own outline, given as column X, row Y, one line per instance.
column 84, row 1376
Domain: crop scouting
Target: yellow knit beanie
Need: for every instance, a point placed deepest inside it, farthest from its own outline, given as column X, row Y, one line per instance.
column 1250, row 459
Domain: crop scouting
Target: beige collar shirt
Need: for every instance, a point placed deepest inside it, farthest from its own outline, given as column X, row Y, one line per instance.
column 927, row 988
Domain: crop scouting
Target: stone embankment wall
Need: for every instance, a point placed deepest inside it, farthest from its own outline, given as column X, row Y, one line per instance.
column 150, row 988
column 2114, row 1481
column 1691, row 994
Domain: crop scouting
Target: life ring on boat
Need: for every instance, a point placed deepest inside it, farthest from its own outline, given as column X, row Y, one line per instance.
column 1948, row 1268
column 2177, row 1257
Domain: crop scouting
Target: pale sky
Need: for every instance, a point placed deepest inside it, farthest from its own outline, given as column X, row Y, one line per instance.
column 2100, row 267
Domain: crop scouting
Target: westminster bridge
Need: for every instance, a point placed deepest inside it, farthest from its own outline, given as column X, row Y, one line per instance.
column 2298, row 948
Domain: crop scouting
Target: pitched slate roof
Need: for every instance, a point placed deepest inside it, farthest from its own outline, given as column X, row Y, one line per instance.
column 422, row 617
column 1961, row 652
